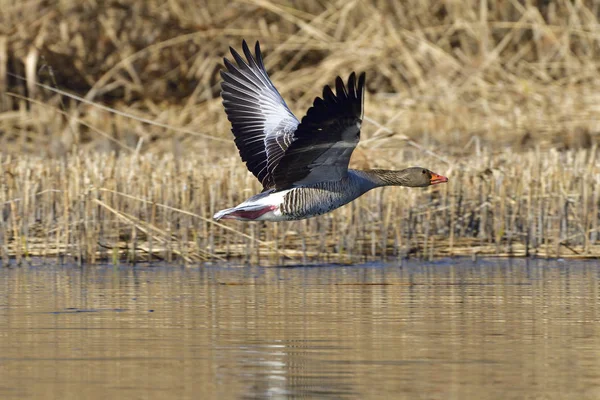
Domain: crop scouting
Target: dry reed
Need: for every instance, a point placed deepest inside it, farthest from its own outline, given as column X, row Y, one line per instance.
column 93, row 207
column 114, row 146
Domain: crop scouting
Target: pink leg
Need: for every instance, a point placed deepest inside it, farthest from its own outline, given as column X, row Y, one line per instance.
column 249, row 215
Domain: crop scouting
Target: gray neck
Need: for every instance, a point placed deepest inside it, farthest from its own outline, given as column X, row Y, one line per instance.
column 374, row 178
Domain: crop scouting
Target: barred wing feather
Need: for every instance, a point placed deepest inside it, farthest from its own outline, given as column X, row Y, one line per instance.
column 262, row 123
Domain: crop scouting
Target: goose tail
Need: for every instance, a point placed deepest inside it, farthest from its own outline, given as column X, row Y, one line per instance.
column 224, row 213
column 246, row 213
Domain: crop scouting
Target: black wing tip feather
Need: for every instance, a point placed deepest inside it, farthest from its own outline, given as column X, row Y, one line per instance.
column 259, row 57
column 347, row 89
column 250, row 70
column 250, row 58
column 349, row 95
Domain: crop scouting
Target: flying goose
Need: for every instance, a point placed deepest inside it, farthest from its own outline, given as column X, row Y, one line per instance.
column 302, row 165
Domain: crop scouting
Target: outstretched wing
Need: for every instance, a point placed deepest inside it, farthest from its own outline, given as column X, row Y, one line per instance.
column 326, row 137
column 262, row 123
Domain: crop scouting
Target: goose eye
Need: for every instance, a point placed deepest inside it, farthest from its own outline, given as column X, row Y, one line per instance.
column 424, row 171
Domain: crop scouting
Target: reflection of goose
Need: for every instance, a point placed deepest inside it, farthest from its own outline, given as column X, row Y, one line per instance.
column 303, row 165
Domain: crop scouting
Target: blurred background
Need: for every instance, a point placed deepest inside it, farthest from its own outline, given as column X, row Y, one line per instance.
column 112, row 128
column 447, row 74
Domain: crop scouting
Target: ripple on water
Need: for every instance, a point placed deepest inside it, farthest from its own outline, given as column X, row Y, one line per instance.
column 447, row 329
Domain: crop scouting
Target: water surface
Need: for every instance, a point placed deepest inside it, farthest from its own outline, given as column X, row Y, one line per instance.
column 445, row 330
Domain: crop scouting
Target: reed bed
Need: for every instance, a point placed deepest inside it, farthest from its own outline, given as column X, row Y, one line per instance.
column 103, row 207
column 114, row 144
column 483, row 72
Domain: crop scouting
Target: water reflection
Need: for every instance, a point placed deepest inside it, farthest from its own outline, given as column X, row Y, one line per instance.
column 496, row 329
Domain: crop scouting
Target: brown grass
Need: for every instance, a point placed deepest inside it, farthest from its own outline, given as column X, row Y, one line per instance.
column 115, row 145
column 101, row 206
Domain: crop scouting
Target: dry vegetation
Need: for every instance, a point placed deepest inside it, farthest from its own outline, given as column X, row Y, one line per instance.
column 114, row 144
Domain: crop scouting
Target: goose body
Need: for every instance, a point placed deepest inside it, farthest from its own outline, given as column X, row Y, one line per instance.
column 299, row 202
column 303, row 165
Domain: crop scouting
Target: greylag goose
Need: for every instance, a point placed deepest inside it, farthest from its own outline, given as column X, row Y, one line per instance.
column 302, row 165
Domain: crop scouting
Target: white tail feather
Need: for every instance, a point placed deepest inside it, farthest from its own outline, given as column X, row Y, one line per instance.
column 223, row 213
column 265, row 204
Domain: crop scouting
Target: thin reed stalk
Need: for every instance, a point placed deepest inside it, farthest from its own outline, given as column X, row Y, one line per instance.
column 501, row 204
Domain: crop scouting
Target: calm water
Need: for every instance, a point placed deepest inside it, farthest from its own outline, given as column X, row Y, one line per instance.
column 444, row 330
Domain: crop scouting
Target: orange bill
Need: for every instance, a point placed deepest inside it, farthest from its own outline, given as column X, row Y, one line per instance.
column 435, row 179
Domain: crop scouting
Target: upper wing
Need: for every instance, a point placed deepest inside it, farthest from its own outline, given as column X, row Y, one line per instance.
column 262, row 123
column 326, row 137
